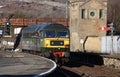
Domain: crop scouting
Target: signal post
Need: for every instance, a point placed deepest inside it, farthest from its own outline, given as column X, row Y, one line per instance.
column 111, row 28
column 7, row 29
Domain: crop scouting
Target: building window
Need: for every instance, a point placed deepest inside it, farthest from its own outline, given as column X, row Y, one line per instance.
column 100, row 13
column 83, row 14
column 92, row 14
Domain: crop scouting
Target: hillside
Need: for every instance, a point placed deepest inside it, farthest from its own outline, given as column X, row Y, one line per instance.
column 33, row 8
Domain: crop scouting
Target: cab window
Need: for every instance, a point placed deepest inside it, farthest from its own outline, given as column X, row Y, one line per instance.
column 50, row 34
column 62, row 34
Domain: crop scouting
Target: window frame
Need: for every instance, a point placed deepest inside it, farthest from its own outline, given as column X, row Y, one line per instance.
column 83, row 11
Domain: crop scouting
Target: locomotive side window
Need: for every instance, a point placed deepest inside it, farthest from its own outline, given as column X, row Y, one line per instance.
column 40, row 33
column 27, row 35
column 50, row 33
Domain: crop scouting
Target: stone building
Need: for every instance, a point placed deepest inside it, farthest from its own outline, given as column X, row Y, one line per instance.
column 86, row 16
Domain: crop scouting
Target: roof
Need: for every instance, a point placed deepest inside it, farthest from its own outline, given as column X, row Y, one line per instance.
column 45, row 26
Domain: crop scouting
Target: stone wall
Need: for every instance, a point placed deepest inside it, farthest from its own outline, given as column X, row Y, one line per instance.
column 83, row 27
column 112, row 62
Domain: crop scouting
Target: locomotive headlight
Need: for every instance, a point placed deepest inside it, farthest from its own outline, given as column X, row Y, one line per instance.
column 61, row 43
column 59, row 48
column 52, row 43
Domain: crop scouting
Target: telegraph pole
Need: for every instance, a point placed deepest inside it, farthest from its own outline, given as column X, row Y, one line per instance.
column 67, row 11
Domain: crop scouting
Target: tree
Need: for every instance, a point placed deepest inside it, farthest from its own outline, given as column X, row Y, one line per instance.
column 114, row 14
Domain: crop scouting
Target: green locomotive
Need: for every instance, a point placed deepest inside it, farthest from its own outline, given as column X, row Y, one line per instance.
column 50, row 39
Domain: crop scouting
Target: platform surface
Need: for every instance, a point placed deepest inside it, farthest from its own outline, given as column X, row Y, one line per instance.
column 113, row 55
column 24, row 65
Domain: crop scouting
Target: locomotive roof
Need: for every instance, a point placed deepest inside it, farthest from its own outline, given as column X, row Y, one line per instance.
column 45, row 26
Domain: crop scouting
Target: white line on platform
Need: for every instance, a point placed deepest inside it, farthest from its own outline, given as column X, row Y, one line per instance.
column 49, row 71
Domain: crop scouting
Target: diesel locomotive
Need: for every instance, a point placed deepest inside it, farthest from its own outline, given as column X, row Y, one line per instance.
column 52, row 40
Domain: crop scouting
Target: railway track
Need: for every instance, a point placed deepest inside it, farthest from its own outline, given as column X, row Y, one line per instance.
column 96, row 71
column 84, row 67
column 85, row 71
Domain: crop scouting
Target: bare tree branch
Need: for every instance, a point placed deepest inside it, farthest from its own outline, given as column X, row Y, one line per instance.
column 113, row 14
